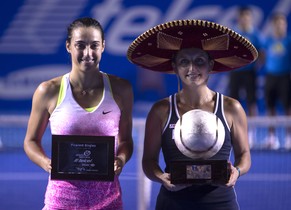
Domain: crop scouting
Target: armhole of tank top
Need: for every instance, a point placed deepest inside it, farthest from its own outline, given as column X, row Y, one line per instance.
column 107, row 85
column 62, row 92
column 170, row 113
column 216, row 103
column 176, row 107
column 222, row 111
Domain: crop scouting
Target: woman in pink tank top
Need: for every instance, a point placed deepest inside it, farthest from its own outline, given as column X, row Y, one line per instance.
column 82, row 102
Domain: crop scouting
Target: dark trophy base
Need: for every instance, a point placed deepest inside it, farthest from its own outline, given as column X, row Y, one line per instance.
column 199, row 172
column 82, row 157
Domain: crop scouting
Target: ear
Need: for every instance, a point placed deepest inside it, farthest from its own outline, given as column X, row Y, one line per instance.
column 103, row 47
column 68, row 47
column 211, row 65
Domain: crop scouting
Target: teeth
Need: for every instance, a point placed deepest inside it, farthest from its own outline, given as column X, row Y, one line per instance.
column 192, row 76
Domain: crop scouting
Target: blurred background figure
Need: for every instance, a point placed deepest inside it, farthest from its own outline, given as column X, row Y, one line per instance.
column 277, row 50
column 151, row 85
column 242, row 82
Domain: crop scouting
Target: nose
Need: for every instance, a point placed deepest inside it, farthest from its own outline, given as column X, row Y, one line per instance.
column 87, row 51
column 191, row 66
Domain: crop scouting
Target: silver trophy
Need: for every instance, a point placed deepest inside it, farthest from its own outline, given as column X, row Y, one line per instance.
column 199, row 135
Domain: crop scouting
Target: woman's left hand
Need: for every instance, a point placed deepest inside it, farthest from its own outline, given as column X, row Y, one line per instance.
column 234, row 174
column 118, row 165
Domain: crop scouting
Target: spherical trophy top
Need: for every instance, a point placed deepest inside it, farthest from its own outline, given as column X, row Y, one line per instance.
column 199, row 134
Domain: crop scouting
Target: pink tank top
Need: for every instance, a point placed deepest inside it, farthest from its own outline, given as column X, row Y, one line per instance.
column 69, row 118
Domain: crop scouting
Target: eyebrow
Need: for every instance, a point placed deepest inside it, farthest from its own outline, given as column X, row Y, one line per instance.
column 81, row 41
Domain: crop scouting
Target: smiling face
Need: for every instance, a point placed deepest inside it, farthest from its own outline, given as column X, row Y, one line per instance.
column 192, row 65
column 86, row 47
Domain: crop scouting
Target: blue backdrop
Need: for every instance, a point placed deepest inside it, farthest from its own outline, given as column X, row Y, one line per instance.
column 33, row 32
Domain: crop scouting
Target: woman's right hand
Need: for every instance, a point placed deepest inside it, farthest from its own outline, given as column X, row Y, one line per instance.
column 165, row 178
column 46, row 165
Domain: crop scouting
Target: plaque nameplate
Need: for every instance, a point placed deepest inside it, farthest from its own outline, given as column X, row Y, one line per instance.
column 82, row 157
column 199, row 172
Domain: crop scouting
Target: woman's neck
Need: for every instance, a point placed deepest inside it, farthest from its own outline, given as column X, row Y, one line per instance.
column 197, row 98
column 85, row 80
column 85, row 83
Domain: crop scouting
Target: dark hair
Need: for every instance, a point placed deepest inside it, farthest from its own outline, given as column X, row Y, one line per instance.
column 84, row 22
column 243, row 9
column 278, row 15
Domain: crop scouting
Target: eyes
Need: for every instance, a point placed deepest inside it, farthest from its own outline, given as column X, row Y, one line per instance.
column 82, row 46
column 185, row 62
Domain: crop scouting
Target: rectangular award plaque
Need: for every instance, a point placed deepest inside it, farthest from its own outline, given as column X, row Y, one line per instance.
column 199, row 172
column 82, row 157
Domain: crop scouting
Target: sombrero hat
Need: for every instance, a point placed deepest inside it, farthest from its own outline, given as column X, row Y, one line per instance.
column 154, row 48
column 199, row 134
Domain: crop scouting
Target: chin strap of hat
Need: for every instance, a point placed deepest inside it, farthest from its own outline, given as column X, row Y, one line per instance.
column 179, row 91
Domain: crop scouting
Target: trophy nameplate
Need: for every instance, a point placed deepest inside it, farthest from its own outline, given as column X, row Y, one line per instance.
column 82, row 157
column 199, row 172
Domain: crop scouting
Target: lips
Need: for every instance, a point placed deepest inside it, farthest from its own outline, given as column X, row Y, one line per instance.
column 88, row 60
column 193, row 75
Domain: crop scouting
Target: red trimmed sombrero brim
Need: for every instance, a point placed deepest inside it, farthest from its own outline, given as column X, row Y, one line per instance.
column 154, row 48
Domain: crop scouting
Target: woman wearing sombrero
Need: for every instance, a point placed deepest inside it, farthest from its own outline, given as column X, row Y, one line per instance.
column 193, row 49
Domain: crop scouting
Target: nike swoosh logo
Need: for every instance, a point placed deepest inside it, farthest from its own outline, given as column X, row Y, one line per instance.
column 106, row 112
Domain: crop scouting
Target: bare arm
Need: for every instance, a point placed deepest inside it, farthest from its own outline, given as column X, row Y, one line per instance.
column 123, row 95
column 41, row 104
column 152, row 144
column 237, row 121
column 155, row 123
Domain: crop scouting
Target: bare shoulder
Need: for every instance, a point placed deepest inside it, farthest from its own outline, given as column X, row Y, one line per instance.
column 119, row 85
column 46, row 94
column 160, row 110
column 115, row 80
column 161, row 105
column 233, row 110
column 122, row 92
column 49, row 87
column 231, row 105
